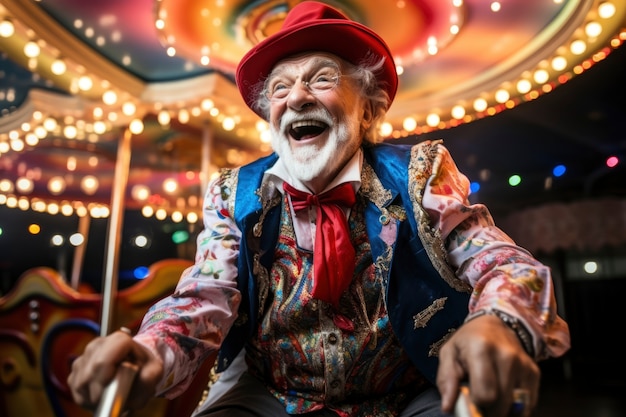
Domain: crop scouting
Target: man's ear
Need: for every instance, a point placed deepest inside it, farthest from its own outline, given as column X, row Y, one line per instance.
column 368, row 115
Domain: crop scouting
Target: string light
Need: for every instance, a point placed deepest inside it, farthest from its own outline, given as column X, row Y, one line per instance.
column 515, row 180
column 458, row 112
column 559, row 170
column 612, row 161
column 6, row 28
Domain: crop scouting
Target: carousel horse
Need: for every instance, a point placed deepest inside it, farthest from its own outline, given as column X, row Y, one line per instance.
column 45, row 324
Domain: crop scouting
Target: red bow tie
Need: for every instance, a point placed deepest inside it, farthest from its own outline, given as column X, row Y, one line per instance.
column 333, row 254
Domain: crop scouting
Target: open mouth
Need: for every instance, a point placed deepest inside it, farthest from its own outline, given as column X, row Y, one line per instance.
column 306, row 129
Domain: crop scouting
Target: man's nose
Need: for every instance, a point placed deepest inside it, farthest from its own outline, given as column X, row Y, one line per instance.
column 300, row 95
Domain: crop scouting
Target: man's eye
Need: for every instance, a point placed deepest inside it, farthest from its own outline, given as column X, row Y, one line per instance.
column 326, row 77
column 324, row 81
column 278, row 87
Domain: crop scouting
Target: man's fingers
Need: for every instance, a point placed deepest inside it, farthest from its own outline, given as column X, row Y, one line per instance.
column 96, row 367
column 449, row 376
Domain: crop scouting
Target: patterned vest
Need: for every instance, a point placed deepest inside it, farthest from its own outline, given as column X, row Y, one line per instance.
column 424, row 299
column 303, row 354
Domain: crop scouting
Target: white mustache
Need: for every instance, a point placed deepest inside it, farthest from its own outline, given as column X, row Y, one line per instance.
column 318, row 114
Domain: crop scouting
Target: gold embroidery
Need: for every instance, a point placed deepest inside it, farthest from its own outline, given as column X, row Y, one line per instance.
column 230, row 177
column 424, row 161
column 269, row 197
column 382, row 263
column 263, row 279
column 435, row 347
column 372, row 188
column 397, row 212
column 423, row 317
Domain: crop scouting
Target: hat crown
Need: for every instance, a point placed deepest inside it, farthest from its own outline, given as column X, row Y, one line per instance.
column 310, row 11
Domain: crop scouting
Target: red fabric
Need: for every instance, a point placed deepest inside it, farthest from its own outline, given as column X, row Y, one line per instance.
column 333, row 254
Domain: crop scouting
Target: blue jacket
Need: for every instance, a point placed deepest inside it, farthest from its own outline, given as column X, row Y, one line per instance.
column 425, row 301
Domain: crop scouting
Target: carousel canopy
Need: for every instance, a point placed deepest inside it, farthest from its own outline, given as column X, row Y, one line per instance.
column 527, row 94
column 76, row 74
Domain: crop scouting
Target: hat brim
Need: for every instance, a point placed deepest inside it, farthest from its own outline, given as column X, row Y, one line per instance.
column 345, row 38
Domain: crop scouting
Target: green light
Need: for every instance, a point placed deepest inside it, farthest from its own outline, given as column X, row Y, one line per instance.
column 514, row 180
column 180, row 236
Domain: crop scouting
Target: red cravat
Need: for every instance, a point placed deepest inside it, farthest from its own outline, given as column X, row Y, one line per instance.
column 333, row 255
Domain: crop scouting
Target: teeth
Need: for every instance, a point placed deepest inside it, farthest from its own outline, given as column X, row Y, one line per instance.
column 302, row 123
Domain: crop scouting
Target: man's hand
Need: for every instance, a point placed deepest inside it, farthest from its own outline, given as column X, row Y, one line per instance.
column 97, row 366
column 487, row 354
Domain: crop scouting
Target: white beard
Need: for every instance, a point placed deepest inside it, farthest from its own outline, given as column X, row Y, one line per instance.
column 308, row 162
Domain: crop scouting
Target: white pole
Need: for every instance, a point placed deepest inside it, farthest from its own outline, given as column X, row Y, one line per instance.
column 111, row 261
column 205, row 163
column 79, row 253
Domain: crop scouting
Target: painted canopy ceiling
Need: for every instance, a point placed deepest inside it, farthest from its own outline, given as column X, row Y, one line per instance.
column 170, row 65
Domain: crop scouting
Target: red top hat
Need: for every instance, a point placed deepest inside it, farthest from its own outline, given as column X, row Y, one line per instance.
column 311, row 26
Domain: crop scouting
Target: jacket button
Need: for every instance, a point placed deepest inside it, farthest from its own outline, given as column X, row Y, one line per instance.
column 332, row 338
column 384, row 219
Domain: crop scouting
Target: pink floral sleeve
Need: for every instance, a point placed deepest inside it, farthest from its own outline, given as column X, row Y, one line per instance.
column 184, row 328
column 504, row 276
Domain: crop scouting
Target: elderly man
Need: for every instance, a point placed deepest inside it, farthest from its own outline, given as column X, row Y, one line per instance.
column 356, row 275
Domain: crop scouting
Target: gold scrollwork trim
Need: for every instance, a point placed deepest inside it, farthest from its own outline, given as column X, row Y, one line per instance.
column 435, row 347
column 421, row 319
column 423, row 161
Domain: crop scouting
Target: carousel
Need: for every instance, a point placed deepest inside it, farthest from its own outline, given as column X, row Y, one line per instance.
column 115, row 106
